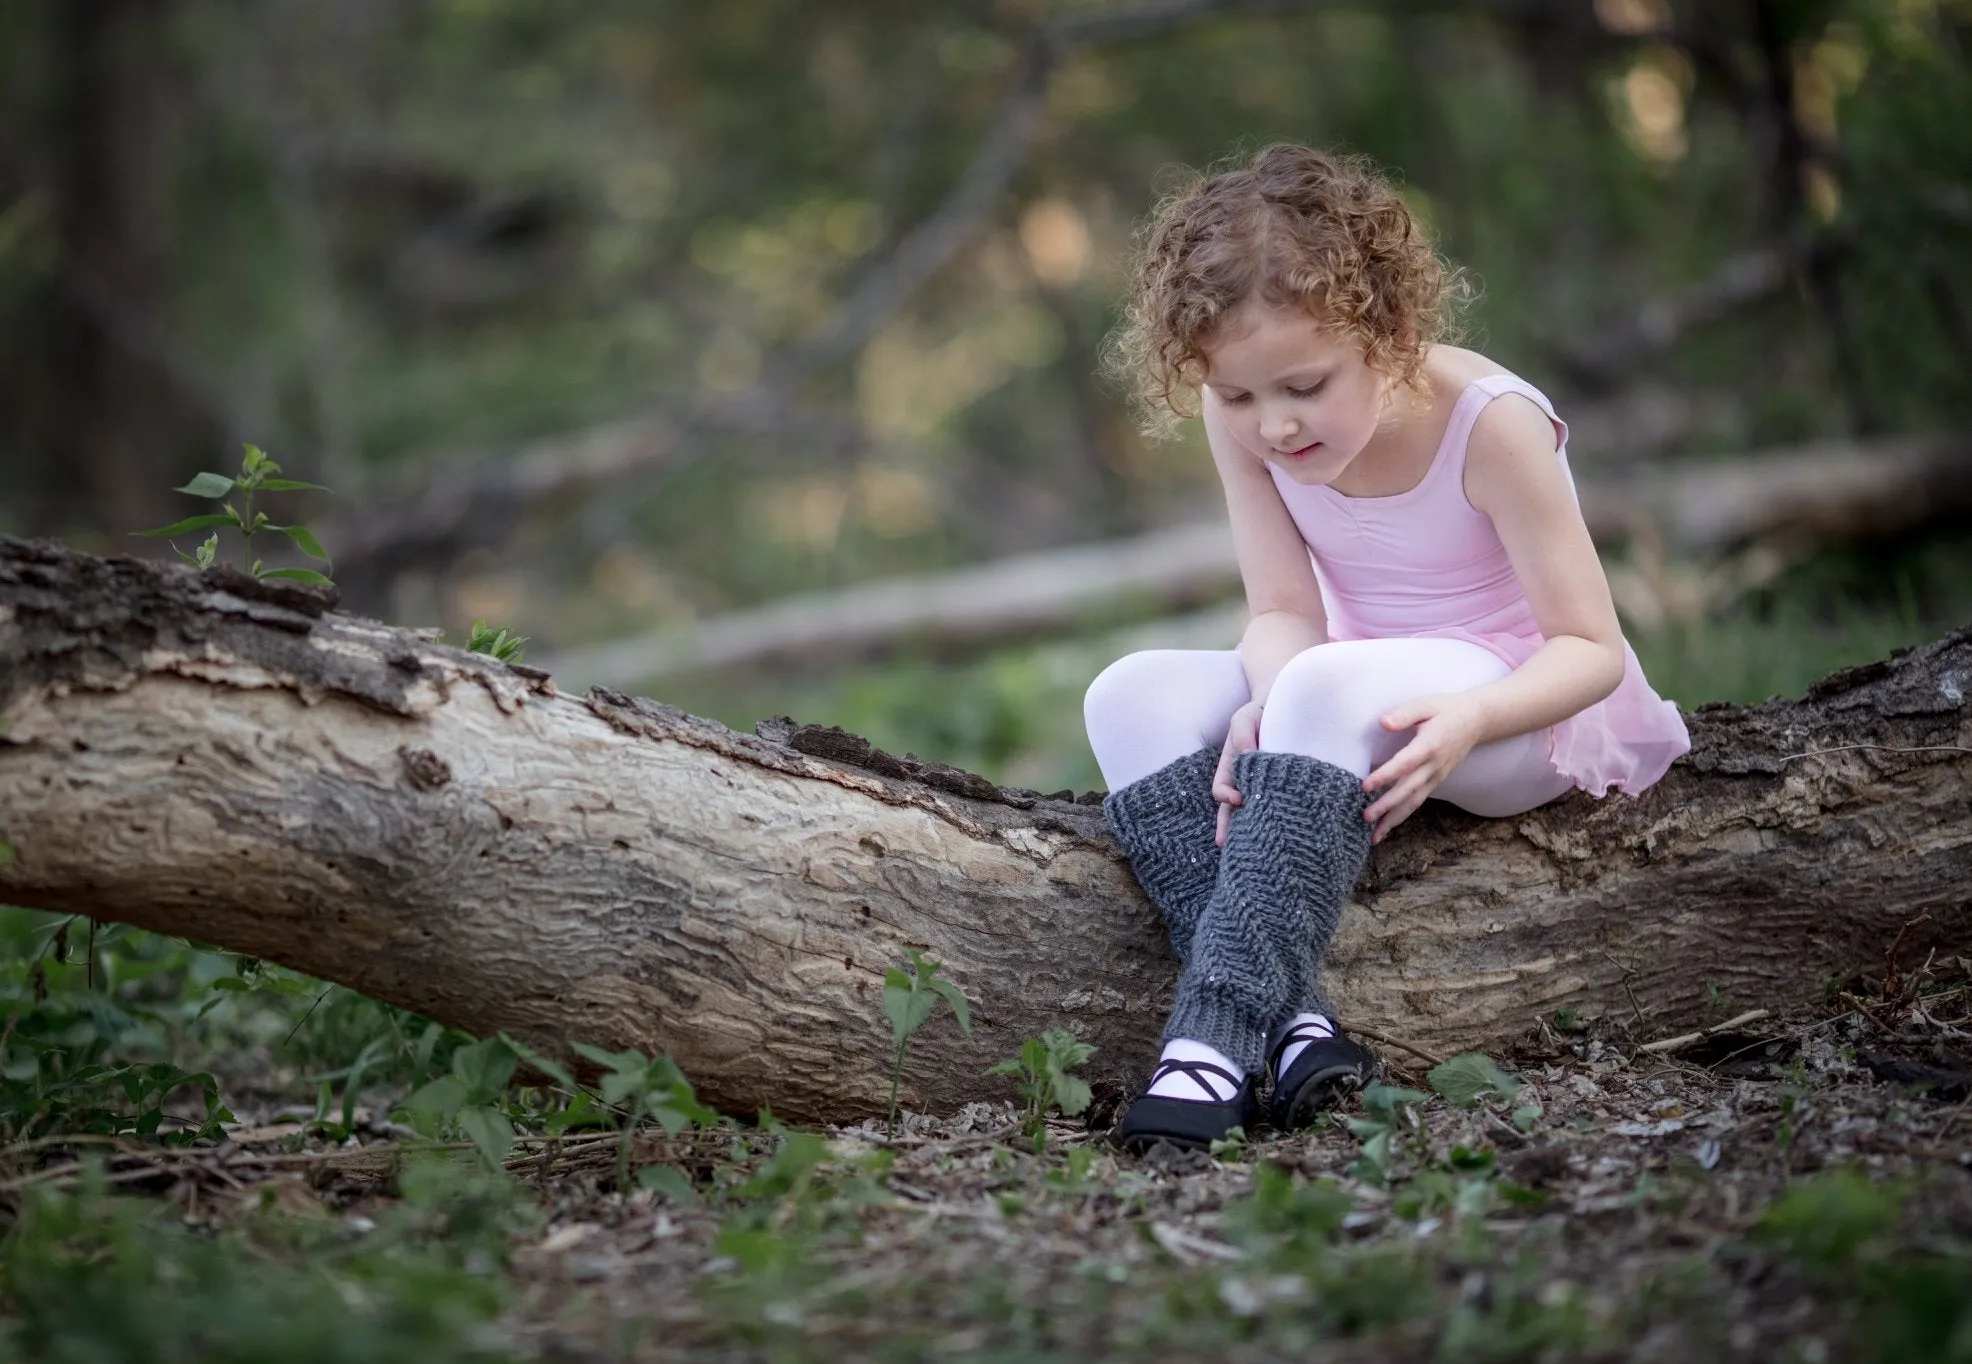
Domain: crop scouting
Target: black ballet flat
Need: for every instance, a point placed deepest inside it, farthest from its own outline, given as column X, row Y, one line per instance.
column 1192, row 1124
column 1327, row 1070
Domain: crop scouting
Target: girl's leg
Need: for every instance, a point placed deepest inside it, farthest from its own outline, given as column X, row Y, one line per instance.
column 1157, row 721
column 1147, row 710
column 1326, row 705
column 1327, row 701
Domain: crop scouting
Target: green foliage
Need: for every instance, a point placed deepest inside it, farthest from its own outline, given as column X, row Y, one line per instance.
column 258, row 474
column 90, row 1278
column 471, row 1099
column 1286, row 1220
column 1841, row 1231
column 1833, row 1221
column 89, row 1013
column 1388, row 1112
column 647, row 1087
column 1042, row 1069
column 501, row 643
column 1467, row 1078
column 908, row 1000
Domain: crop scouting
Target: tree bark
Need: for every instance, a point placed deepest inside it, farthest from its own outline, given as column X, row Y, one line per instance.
column 233, row 761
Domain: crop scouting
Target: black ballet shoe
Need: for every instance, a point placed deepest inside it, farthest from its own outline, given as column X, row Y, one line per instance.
column 1193, row 1124
column 1327, row 1069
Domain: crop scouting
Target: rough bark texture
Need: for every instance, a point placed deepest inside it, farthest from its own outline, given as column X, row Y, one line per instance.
column 234, row 761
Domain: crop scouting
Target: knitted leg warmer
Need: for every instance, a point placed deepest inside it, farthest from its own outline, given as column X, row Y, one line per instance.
column 1167, row 823
column 1292, row 854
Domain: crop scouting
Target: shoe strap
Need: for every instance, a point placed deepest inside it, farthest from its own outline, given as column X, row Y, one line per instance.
column 1195, row 1070
column 1300, row 1032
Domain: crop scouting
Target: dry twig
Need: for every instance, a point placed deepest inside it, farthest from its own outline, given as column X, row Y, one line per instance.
column 1683, row 1040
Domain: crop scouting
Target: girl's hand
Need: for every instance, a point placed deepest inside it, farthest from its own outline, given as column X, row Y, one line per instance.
column 1242, row 737
column 1448, row 725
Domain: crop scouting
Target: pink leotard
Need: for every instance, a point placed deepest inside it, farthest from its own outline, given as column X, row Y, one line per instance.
column 1426, row 564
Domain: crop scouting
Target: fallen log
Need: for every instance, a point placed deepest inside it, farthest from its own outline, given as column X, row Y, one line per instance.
column 233, row 761
column 1782, row 501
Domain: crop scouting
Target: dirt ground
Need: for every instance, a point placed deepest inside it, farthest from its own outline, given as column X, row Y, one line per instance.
column 1791, row 1187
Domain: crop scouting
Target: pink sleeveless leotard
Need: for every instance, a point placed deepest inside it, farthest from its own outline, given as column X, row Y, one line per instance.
column 1426, row 563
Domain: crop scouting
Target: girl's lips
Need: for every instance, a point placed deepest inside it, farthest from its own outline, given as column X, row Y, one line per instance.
column 1302, row 453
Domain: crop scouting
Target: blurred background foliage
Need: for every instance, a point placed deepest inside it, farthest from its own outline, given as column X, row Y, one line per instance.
column 817, row 291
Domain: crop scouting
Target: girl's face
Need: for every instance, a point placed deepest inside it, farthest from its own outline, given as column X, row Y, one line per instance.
column 1293, row 393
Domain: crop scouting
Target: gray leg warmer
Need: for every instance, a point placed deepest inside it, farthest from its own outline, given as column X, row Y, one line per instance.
column 1293, row 852
column 1167, row 822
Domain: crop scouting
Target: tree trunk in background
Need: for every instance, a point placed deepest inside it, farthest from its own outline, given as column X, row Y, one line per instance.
column 117, row 423
column 225, row 759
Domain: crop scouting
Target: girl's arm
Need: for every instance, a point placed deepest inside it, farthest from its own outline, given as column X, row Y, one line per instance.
column 1283, row 603
column 1514, row 476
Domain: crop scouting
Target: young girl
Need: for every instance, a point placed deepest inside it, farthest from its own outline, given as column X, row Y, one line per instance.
column 1427, row 616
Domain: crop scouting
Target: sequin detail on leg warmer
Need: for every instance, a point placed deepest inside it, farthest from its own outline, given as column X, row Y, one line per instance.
column 1168, row 822
column 1292, row 854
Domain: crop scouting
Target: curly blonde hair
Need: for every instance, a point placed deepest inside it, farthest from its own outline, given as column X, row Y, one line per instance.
column 1295, row 228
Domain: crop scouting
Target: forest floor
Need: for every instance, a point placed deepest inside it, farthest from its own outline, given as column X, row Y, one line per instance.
column 1791, row 1187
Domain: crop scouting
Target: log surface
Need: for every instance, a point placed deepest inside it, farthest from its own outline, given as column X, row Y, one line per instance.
column 235, row 762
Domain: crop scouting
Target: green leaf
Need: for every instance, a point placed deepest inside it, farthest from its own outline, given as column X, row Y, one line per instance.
column 489, row 1130
column 1066, row 1050
column 1072, row 1094
column 304, row 540
column 554, row 1070
column 620, row 1061
column 897, row 996
column 1520, row 1196
column 484, row 1068
column 669, row 1182
column 192, row 523
column 6, row 852
column 208, row 485
column 1465, row 1079
column 433, row 1104
column 1386, row 1101
column 208, row 553
column 300, row 575
column 955, row 997
column 582, row 1111
column 290, row 485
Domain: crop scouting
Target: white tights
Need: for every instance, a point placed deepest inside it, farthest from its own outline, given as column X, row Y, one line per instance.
column 1148, row 709
column 1151, row 708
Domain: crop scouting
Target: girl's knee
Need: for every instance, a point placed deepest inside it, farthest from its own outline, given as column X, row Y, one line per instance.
column 1328, row 703
column 1121, row 689
column 1334, row 682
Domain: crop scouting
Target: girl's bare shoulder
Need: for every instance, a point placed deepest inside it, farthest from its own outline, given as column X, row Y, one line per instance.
column 1451, row 368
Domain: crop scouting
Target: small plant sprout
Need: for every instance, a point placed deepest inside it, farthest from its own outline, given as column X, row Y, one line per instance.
column 472, row 1098
column 1042, row 1070
column 1387, row 1111
column 908, row 1000
column 502, row 643
column 258, row 474
column 649, row 1087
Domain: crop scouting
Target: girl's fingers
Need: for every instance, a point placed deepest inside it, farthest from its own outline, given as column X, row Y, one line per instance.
column 1405, row 761
column 1225, row 814
column 1223, row 789
column 1412, row 789
column 1396, row 817
column 1410, row 713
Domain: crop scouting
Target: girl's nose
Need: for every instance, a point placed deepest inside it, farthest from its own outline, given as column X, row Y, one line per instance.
column 1277, row 427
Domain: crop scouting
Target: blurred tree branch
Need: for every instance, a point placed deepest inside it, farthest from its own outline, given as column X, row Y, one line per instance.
column 461, row 510
column 1603, row 362
column 1755, row 515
